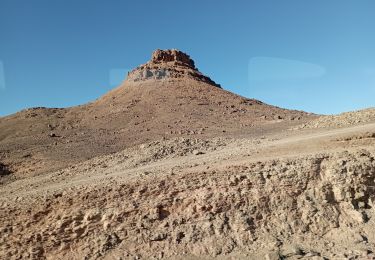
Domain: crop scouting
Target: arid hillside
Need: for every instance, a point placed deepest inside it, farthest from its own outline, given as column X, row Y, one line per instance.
column 166, row 97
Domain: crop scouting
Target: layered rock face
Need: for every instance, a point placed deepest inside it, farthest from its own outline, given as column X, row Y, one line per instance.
column 176, row 57
column 168, row 64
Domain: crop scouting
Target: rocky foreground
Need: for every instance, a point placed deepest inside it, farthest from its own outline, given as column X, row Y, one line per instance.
column 266, row 198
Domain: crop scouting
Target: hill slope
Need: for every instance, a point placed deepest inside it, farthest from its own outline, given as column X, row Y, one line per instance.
column 164, row 98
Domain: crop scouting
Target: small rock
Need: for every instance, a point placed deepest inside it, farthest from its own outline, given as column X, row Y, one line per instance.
column 106, row 225
column 196, row 152
column 272, row 256
column 158, row 237
column 277, row 117
column 291, row 250
column 359, row 195
column 361, row 204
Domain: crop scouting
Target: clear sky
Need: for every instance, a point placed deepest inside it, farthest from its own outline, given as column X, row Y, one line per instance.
column 316, row 55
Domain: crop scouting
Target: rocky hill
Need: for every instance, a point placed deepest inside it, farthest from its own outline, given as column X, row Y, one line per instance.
column 344, row 119
column 166, row 97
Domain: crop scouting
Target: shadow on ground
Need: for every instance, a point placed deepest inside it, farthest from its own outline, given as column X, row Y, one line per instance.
column 4, row 170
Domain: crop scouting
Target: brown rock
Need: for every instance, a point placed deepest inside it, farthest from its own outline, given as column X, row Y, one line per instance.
column 176, row 56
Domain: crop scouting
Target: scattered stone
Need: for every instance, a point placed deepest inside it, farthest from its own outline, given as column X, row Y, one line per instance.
column 273, row 256
column 291, row 250
column 196, row 152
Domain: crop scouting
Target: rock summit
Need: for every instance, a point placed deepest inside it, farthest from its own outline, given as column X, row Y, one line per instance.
column 168, row 65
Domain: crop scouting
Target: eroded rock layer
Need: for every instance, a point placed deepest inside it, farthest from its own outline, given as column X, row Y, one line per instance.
column 318, row 206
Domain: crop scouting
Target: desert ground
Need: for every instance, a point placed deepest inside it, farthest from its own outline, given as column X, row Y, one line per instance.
column 171, row 166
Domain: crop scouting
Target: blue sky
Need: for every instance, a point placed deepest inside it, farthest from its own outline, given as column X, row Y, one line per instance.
column 317, row 56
